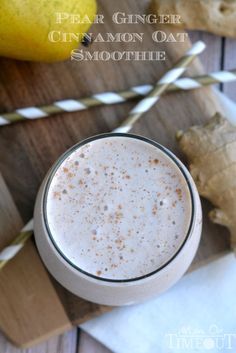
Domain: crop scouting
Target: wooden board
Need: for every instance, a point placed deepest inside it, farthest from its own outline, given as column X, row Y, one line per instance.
column 28, row 149
column 23, row 285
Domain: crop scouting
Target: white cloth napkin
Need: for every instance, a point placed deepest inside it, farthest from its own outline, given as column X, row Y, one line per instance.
column 197, row 315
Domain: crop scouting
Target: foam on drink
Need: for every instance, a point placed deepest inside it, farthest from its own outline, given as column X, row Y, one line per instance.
column 118, row 208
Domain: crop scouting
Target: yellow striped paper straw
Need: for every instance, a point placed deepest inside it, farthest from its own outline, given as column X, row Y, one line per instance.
column 16, row 245
column 108, row 98
column 169, row 77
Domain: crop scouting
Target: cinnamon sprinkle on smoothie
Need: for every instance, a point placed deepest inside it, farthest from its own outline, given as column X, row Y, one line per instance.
column 118, row 208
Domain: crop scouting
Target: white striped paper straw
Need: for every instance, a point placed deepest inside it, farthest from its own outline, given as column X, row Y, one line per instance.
column 108, row 98
column 169, row 77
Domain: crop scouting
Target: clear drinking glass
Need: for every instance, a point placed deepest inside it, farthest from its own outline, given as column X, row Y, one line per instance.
column 117, row 291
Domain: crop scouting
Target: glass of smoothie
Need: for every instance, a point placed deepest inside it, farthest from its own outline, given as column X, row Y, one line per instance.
column 117, row 219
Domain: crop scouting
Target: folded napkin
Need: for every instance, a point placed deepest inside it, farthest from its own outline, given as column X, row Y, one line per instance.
column 197, row 315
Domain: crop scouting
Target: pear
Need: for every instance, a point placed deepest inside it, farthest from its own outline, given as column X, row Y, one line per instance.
column 25, row 27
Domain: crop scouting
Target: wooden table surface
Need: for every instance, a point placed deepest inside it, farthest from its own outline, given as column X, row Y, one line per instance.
column 219, row 55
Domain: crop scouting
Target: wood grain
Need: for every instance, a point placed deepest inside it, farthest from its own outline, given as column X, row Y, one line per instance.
column 23, row 285
column 212, row 56
column 88, row 344
column 65, row 343
column 29, row 148
column 229, row 63
column 10, row 219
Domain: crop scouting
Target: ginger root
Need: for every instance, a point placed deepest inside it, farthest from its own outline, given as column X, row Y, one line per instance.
column 211, row 153
column 215, row 16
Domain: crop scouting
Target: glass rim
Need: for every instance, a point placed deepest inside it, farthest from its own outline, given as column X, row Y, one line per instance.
column 66, row 154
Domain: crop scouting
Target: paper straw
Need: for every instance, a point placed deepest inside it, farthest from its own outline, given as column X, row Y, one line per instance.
column 10, row 251
column 16, row 245
column 169, row 77
column 108, row 98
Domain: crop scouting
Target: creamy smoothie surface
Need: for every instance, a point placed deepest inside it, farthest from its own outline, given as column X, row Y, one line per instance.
column 118, row 208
